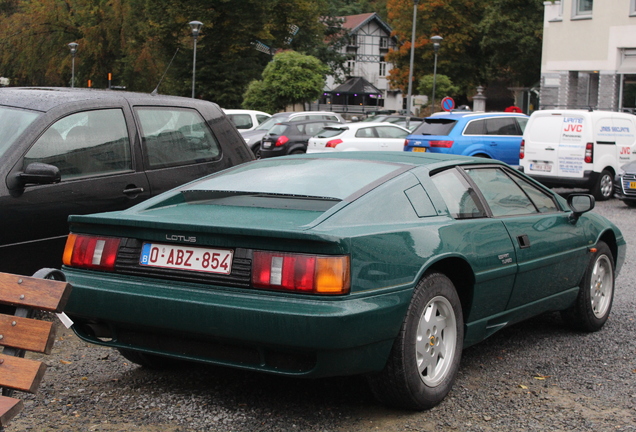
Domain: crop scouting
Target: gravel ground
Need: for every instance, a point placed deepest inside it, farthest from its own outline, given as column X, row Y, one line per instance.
column 534, row 376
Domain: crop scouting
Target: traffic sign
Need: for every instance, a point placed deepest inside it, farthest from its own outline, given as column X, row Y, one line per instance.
column 448, row 104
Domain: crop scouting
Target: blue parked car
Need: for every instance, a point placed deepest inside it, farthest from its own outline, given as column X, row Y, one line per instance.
column 489, row 135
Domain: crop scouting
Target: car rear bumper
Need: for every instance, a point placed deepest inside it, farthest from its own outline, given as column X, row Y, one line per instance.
column 267, row 331
column 588, row 180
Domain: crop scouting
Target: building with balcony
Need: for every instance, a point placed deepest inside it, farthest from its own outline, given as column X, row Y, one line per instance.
column 368, row 41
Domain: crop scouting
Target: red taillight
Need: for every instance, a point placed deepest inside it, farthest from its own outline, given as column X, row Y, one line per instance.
column 91, row 252
column 522, row 149
column 333, row 143
column 589, row 153
column 301, row 273
column 406, row 143
column 282, row 140
column 444, row 144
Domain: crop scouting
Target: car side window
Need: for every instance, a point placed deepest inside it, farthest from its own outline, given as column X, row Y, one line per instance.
column 313, row 128
column 86, row 143
column 475, row 127
column 544, row 202
column 368, row 132
column 522, row 122
column 502, row 194
column 390, row 132
column 175, row 136
column 241, row 121
column 460, row 198
column 501, row 126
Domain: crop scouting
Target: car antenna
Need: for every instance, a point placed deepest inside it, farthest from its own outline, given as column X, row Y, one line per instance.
column 156, row 90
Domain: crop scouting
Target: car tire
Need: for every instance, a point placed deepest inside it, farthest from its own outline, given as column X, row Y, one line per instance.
column 604, row 187
column 596, row 294
column 256, row 149
column 150, row 361
column 296, row 152
column 630, row 203
column 431, row 337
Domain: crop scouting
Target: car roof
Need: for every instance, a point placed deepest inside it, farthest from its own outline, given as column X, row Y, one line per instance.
column 470, row 115
column 243, row 111
column 47, row 98
column 301, row 122
column 359, row 125
column 406, row 158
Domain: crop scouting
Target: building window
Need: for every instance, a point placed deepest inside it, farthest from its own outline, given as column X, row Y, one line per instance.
column 353, row 40
column 382, row 69
column 582, row 9
column 384, row 41
column 351, row 65
column 632, row 8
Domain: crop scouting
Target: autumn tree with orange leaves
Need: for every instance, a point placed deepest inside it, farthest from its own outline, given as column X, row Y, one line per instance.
column 483, row 40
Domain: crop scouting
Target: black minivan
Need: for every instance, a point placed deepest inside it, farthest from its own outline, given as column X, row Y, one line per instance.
column 78, row 151
column 290, row 137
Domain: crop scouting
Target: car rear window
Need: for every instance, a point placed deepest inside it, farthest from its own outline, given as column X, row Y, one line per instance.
column 278, row 129
column 298, row 177
column 330, row 132
column 435, row 126
column 12, row 123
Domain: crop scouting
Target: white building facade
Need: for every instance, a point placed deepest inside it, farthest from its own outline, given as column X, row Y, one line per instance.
column 368, row 41
column 589, row 55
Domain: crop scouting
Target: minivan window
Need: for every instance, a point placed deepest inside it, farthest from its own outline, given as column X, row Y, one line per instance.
column 435, row 126
column 86, row 143
column 12, row 123
column 175, row 136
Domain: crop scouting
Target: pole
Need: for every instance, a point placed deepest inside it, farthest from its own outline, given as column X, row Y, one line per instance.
column 434, row 82
column 194, row 65
column 408, row 97
column 73, row 70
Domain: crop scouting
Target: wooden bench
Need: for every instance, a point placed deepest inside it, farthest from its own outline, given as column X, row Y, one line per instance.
column 19, row 332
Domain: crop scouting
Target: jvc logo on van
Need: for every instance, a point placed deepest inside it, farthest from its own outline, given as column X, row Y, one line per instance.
column 572, row 124
column 626, row 150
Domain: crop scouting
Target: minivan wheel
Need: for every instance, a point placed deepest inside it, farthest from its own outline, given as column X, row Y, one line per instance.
column 604, row 186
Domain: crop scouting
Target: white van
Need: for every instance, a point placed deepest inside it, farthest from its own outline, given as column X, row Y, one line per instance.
column 578, row 148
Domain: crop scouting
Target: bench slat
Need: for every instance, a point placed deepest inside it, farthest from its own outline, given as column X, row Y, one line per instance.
column 9, row 407
column 24, row 291
column 21, row 374
column 27, row 334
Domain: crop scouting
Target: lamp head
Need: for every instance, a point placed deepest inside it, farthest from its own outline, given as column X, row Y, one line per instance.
column 73, row 46
column 437, row 40
column 196, row 27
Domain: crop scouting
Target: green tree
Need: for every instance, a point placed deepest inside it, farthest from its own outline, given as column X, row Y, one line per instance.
column 443, row 86
column 512, row 33
column 290, row 78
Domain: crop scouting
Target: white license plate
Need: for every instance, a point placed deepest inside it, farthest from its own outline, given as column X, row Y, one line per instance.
column 541, row 167
column 182, row 257
column 267, row 144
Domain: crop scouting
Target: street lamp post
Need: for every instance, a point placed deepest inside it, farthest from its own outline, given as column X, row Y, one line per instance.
column 73, row 47
column 196, row 27
column 436, row 42
column 409, row 95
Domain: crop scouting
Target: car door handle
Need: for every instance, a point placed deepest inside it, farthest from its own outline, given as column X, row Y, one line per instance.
column 524, row 241
column 133, row 191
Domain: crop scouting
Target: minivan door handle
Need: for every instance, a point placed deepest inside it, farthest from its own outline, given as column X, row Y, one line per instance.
column 550, row 148
column 131, row 190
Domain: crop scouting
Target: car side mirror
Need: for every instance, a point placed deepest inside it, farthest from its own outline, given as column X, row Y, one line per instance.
column 34, row 173
column 579, row 204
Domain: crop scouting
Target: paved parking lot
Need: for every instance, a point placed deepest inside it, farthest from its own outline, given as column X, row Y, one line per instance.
column 534, row 376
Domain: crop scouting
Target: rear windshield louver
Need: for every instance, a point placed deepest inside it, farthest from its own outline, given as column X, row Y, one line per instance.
column 128, row 263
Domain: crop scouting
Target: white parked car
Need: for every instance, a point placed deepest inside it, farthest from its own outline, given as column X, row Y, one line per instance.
column 363, row 136
column 246, row 120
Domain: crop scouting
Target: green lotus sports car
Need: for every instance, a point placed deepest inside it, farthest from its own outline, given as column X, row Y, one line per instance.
column 383, row 264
